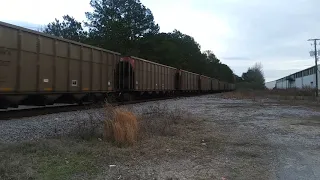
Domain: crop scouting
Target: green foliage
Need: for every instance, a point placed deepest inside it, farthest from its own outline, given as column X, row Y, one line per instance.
column 238, row 79
column 69, row 28
column 118, row 24
column 182, row 51
column 253, row 78
column 173, row 49
column 128, row 27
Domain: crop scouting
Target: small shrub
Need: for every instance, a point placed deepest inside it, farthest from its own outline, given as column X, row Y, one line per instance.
column 120, row 126
column 123, row 127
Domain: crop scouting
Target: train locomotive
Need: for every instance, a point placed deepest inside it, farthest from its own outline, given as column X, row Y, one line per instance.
column 39, row 69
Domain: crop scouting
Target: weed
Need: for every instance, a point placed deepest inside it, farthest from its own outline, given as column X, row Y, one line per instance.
column 122, row 128
column 291, row 95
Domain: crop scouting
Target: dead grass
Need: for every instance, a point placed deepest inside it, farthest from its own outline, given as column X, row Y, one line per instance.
column 122, row 128
column 290, row 95
column 82, row 153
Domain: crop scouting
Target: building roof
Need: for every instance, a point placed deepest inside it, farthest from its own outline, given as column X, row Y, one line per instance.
column 298, row 72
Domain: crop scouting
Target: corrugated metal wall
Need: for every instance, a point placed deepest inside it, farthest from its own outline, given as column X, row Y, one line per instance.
column 41, row 63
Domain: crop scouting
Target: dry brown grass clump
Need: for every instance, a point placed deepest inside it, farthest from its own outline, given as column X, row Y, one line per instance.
column 122, row 127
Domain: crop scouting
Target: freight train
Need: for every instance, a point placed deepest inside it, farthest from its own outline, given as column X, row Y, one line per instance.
column 39, row 69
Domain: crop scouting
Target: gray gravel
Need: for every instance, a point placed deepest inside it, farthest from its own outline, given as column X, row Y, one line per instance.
column 278, row 141
column 62, row 124
column 33, row 128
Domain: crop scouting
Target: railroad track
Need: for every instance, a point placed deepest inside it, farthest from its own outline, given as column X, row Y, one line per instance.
column 37, row 111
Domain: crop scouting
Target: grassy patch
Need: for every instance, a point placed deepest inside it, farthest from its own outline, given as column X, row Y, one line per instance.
column 96, row 142
column 47, row 159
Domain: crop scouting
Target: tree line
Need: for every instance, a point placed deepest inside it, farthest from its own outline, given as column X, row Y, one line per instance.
column 252, row 79
column 128, row 27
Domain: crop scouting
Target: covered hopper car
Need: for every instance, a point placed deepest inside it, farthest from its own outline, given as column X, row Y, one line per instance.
column 39, row 69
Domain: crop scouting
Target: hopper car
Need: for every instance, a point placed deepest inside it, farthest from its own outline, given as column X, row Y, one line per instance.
column 40, row 69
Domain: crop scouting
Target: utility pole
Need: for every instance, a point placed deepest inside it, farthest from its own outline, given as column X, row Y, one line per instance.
column 316, row 62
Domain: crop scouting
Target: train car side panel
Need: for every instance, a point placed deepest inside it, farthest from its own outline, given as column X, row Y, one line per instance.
column 166, row 80
column 189, row 81
column 86, row 69
column 208, row 85
column 96, row 70
column 112, row 60
column 145, row 74
column 186, row 85
column 215, row 84
column 74, row 75
column 104, row 71
column 183, row 80
column 153, row 76
column 157, row 78
column 29, row 62
column 46, row 64
column 46, row 73
column 141, row 79
column 205, row 83
column 136, row 74
column 171, row 79
column 163, row 75
column 149, row 77
column 61, row 63
column 9, row 53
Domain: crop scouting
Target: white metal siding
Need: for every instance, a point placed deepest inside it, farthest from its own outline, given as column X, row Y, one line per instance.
column 308, row 79
column 282, row 84
column 270, row 85
column 300, row 81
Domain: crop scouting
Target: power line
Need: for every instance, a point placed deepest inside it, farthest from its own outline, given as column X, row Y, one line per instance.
column 316, row 62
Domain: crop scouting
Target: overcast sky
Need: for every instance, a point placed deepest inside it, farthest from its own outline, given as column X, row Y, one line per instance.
column 239, row 32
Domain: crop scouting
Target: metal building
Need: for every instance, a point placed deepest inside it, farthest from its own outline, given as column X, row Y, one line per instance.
column 270, row 85
column 302, row 79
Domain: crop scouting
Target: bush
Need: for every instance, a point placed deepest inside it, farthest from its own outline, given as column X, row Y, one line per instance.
column 122, row 128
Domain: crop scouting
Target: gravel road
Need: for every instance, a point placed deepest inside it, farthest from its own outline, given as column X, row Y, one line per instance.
column 244, row 139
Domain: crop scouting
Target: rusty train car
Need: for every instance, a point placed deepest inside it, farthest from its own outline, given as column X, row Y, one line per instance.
column 39, row 69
